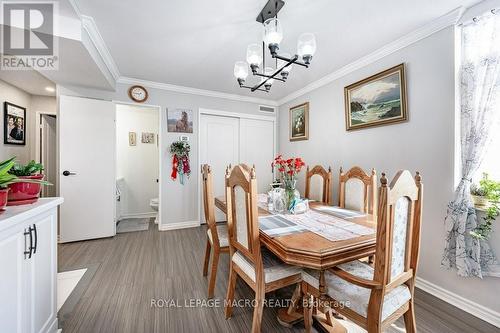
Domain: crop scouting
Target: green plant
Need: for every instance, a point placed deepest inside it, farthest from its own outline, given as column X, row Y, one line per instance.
column 477, row 190
column 26, row 170
column 6, row 178
column 491, row 190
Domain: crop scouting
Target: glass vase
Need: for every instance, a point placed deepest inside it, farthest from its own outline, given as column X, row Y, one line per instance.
column 291, row 192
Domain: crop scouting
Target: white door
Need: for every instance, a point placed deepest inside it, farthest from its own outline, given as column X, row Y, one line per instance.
column 86, row 168
column 257, row 148
column 14, row 310
column 43, row 269
column 219, row 146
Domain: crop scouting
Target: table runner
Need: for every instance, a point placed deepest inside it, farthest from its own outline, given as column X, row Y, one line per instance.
column 328, row 226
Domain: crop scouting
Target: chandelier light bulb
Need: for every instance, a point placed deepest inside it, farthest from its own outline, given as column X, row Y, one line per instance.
column 254, row 54
column 306, row 46
column 273, row 34
column 240, row 70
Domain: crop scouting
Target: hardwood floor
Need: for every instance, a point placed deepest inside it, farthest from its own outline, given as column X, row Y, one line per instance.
column 138, row 267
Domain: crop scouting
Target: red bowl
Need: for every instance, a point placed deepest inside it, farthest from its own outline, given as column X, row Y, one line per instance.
column 3, row 198
column 23, row 193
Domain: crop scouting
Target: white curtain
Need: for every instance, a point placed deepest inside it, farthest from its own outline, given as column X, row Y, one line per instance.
column 479, row 95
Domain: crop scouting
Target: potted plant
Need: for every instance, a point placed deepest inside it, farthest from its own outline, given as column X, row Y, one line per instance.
column 26, row 189
column 487, row 194
column 5, row 180
column 479, row 197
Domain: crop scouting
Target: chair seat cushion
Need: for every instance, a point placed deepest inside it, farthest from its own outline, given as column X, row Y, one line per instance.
column 355, row 297
column 222, row 234
column 274, row 268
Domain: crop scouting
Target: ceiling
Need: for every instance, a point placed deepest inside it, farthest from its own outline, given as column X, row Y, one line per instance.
column 195, row 43
column 30, row 81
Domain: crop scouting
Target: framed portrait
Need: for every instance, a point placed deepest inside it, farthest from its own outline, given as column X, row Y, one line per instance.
column 14, row 124
column 299, row 122
column 132, row 138
column 148, row 137
column 377, row 100
column 180, row 120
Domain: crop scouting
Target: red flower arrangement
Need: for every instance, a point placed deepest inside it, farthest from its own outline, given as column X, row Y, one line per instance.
column 288, row 168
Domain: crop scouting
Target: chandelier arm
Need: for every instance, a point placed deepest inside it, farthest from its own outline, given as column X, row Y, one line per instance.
column 272, row 76
column 277, row 56
column 269, row 77
column 248, row 87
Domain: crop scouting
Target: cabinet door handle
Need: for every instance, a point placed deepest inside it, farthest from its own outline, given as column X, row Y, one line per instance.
column 28, row 253
column 36, row 238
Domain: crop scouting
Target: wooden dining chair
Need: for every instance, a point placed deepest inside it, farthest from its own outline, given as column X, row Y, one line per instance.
column 358, row 190
column 319, row 171
column 217, row 236
column 374, row 297
column 260, row 269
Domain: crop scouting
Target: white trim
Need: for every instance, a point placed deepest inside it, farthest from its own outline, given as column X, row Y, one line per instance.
column 195, row 91
column 236, row 114
column 460, row 302
column 432, row 27
column 137, row 215
column 88, row 24
column 178, row 225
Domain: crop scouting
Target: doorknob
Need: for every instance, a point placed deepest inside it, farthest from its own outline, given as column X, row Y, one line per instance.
column 68, row 173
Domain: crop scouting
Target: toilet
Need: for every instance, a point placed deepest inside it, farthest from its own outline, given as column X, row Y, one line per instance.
column 153, row 203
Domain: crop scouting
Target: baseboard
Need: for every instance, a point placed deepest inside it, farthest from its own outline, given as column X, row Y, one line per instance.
column 178, row 225
column 137, row 215
column 460, row 302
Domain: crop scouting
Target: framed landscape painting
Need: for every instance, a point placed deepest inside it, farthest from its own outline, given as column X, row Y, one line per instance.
column 299, row 122
column 377, row 100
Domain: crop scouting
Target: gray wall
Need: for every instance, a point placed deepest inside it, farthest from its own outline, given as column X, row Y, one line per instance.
column 180, row 202
column 426, row 143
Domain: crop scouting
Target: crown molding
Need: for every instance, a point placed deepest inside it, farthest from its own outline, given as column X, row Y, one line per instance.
column 88, row 24
column 195, row 91
column 430, row 28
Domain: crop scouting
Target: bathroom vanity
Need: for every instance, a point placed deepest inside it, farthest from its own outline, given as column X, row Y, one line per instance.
column 28, row 267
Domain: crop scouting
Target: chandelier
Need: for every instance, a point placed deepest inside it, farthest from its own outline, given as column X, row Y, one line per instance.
column 272, row 37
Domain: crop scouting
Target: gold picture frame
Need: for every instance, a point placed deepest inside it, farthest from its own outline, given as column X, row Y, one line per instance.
column 377, row 100
column 299, row 122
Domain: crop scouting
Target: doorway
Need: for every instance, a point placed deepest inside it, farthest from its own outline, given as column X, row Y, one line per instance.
column 137, row 167
column 46, row 150
column 232, row 138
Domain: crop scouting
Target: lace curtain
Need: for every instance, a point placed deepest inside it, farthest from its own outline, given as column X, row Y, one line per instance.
column 479, row 108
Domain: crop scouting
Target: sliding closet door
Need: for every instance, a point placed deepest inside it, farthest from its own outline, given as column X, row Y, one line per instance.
column 219, row 146
column 257, row 148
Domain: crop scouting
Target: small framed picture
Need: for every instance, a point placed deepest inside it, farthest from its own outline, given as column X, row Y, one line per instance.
column 14, row 124
column 180, row 120
column 148, row 137
column 299, row 122
column 377, row 100
column 132, row 138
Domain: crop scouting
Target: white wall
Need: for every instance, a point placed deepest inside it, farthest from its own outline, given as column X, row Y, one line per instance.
column 137, row 165
column 179, row 202
column 425, row 143
column 33, row 104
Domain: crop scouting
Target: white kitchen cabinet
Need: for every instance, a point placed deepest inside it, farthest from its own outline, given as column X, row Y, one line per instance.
column 28, row 263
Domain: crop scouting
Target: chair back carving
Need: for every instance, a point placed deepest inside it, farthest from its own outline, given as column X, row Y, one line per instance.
column 319, row 172
column 398, row 230
column 358, row 190
column 242, row 212
column 208, row 201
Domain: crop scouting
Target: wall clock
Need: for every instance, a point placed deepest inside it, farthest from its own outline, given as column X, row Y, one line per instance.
column 138, row 93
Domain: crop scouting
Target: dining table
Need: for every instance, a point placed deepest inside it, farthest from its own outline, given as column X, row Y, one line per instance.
column 311, row 249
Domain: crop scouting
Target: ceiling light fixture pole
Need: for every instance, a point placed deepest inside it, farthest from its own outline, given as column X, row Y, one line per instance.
column 273, row 35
